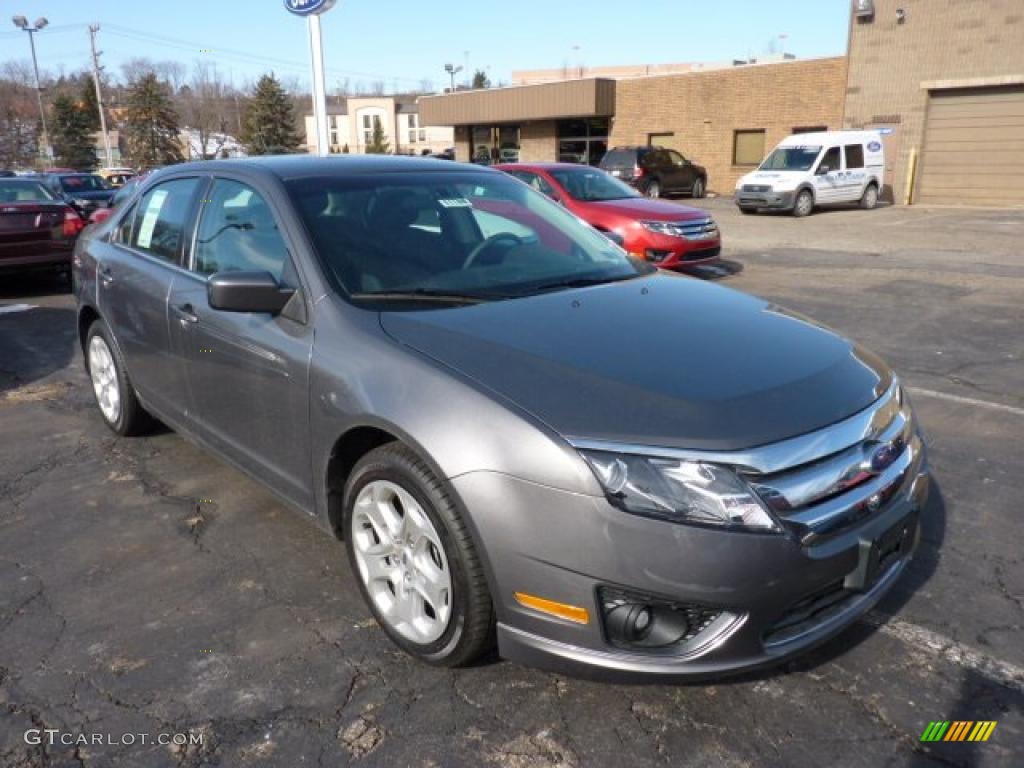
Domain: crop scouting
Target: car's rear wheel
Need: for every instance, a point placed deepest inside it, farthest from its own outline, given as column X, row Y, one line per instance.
column 115, row 395
column 698, row 188
column 653, row 189
column 414, row 558
column 746, row 210
column 870, row 197
column 804, row 203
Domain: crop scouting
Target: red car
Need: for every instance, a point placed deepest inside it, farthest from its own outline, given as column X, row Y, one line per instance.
column 36, row 229
column 663, row 233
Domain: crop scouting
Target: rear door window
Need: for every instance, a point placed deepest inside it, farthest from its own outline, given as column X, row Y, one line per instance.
column 854, row 156
column 162, row 218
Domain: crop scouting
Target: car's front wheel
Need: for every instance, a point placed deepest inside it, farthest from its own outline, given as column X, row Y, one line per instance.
column 115, row 395
column 414, row 558
column 804, row 203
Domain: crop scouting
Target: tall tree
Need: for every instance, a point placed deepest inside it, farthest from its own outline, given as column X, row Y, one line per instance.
column 379, row 144
column 270, row 120
column 19, row 116
column 151, row 124
column 71, row 134
column 90, row 107
column 481, row 80
column 206, row 105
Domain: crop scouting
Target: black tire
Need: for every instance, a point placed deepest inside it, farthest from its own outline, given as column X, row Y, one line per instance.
column 132, row 418
column 698, row 188
column 747, row 211
column 804, row 203
column 471, row 626
column 870, row 197
column 653, row 189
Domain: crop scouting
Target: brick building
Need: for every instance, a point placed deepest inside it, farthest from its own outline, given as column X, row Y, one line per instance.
column 946, row 79
column 942, row 79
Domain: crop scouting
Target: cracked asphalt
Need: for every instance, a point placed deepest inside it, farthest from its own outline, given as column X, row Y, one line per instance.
column 147, row 588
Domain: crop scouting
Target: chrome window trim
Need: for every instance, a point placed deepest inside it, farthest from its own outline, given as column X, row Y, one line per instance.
column 775, row 457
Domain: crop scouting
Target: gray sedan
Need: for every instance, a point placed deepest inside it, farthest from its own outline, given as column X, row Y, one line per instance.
column 522, row 435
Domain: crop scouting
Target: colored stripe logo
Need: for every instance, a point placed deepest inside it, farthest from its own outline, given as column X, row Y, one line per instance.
column 959, row 730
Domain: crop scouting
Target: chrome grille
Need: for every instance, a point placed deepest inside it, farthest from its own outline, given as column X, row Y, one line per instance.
column 691, row 229
column 757, row 188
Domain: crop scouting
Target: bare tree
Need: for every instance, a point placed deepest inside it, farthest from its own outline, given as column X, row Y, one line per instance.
column 426, row 85
column 206, row 105
column 377, row 88
column 19, row 115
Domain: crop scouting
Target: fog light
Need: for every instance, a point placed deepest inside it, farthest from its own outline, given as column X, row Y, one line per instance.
column 656, row 255
column 645, row 623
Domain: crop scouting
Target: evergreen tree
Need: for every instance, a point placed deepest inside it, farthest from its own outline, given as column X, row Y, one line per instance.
column 90, row 107
column 71, row 135
column 481, row 80
column 378, row 141
column 270, row 120
column 151, row 124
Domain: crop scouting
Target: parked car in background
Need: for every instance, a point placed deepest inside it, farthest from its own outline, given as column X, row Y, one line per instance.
column 656, row 171
column 123, row 193
column 6, row 174
column 85, row 192
column 813, row 169
column 519, row 432
column 37, row 230
column 115, row 177
column 666, row 234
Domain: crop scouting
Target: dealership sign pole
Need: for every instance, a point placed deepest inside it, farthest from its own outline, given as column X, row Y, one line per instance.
column 312, row 9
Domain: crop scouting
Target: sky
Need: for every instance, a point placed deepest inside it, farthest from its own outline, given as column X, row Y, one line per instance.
column 402, row 42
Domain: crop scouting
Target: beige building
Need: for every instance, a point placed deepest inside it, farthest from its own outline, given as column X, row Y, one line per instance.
column 351, row 125
column 945, row 80
column 537, row 76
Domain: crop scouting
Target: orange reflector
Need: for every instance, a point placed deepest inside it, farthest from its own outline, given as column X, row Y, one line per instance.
column 561, row 610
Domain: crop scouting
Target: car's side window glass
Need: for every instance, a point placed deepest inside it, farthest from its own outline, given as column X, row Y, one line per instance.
column 123, row 233
column 238, row 233
column 163, row 213
column 536, row 181
column 831, row 159
column 677, row 159
column 854, row 156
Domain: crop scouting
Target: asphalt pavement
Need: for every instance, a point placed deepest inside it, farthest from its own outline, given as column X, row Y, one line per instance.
column 146, row 588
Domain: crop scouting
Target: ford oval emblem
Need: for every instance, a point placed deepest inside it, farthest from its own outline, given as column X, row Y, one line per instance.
column 874, row 146
column 309, row 7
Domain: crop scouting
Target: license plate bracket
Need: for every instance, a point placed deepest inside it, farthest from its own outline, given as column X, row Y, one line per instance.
column 876, row 555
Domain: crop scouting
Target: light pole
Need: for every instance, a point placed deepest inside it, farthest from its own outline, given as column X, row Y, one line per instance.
column 22, row 23
column 452, row 71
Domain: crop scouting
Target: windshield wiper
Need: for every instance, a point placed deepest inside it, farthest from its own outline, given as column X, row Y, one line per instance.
column 579, row 282
column 422, row 294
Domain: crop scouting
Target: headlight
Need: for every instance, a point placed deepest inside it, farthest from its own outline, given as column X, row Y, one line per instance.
column 662, row 228
column 679, row 491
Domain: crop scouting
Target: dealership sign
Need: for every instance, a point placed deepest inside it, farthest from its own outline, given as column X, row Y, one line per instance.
column 309, row 7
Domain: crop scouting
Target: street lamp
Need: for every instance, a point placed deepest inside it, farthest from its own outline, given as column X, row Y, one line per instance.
column 22, row 23
column 452, row 71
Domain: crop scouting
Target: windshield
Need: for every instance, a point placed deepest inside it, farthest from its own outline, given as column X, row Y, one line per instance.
column 72, row 184
column 451, row 234
column 791, row 159
column 590, row 185
column 23, row 192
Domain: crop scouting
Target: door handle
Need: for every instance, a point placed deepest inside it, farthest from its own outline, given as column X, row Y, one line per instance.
column 186, row 314
column 106, row 275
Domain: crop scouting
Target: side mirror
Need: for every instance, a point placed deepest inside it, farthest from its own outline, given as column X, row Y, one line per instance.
column 246, row 292
column 822, row 170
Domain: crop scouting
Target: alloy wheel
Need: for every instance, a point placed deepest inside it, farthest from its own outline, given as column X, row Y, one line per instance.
column 402, row 562
column 104, row 379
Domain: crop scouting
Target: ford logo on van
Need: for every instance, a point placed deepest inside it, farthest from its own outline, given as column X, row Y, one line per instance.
column 874, row 146
column 309, row 7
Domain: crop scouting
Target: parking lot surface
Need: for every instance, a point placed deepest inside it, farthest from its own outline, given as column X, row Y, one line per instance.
column 145, row 587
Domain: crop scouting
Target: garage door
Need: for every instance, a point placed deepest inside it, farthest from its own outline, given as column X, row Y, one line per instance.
column 973, row 150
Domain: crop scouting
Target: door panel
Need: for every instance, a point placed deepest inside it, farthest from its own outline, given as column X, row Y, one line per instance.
column 247, row 372
column 135, row 278
column 828, row 186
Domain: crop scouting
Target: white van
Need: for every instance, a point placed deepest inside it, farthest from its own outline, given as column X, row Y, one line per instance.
column 809, row 169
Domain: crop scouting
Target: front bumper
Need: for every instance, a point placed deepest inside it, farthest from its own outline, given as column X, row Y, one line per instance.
column 772, row 200
column 566, row 547
column 670, row 252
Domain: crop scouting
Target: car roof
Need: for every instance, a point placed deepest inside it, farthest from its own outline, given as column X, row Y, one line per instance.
column 304, row 166
column 826, row 137
column 542, row 166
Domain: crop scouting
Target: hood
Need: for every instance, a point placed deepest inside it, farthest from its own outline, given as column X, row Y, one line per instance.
column 645, row 208
column 661, row 360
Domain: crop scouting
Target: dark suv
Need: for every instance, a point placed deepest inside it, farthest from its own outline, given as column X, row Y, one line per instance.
column 656, row 171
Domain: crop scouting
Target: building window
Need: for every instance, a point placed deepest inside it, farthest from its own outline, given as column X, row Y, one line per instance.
column 810, row 129
column 747, row 147
column 414, row 124
column 583, row 140
column 334, row 130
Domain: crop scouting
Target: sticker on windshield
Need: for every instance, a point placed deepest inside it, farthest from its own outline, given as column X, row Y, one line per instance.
column 455, row 202
column 156, row 202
